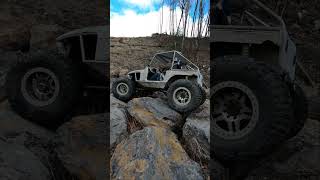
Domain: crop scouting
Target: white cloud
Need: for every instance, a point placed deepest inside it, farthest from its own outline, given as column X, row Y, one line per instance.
column 143, row 3
column 132, row 24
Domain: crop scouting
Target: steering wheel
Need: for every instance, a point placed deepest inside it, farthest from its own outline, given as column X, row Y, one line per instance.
column 153, row 70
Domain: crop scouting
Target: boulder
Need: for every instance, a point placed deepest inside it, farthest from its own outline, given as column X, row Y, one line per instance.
column 114, row 102
column 36, row 139
column 196, row 133
column 154, row 112
column 118, row 125
column 17, row 162
column 159, row 94
column 299, row 157
column 13, row 126
column 81, row 146
column 153, row 153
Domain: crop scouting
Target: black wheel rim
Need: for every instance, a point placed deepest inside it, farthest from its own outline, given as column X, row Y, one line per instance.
column 122, row 89
column 40, row 86
column 235, row 110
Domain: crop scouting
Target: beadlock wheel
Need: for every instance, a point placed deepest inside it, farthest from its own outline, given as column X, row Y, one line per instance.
column 122, row 89
column 236, row 110
column 40, row 86
column 182, row 96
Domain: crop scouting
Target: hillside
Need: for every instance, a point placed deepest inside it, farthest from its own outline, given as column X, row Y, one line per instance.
column 127, row 54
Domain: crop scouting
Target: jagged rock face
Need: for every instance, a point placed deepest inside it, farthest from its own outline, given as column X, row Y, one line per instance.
column 118, row 125
column 114, row 102
column 196, row 133
column 17, row 162
column 299, row 157
column 153, row 153
column 153, row 112
column 81, row 146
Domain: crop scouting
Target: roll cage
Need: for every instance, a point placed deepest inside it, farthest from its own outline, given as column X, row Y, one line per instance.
column 173, row 59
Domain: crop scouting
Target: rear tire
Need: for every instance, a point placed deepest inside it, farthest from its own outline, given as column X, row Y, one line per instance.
column 184, row 96
column 203, row 94
column 261, row 114
column 123, row 89
column 300, row 106
column 44, row 88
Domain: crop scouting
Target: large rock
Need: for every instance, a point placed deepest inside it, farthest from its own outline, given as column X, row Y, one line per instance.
column 153, row 153
column 114, row 102
column 196, row 133
column 81, row 146
column 118, row 125
column 299, row 157
column 17, row 162
column 154, row 112
column 12, row 126
column 37, row 139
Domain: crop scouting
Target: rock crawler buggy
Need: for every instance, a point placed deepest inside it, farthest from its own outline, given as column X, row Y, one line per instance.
column 46, row 86
column 255, row 100
column 169, row 71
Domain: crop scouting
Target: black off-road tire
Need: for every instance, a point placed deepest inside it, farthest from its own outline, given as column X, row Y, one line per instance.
column 130, row 84
column 314, row 108
column 55, row 110
column 300, row 107
column 273, row 110
column 195, row 91
column 204, row 95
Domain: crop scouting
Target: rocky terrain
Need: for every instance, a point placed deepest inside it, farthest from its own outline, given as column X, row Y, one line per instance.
column 147, row 139
column 152, row 141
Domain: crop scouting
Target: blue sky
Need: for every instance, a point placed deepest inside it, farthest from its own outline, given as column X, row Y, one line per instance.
column 119, row 6
column 142, row 16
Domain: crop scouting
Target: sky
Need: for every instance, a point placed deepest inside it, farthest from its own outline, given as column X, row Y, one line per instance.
column 140, row 18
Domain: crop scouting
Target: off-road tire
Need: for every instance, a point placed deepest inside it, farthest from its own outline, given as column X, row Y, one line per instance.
column 66, row 98
column 300, row 107
column 274, row 110
column 131, row 89
column 314, row 108
column 196, row 95
column 204, row 95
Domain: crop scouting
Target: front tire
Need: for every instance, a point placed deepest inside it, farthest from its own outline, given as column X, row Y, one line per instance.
column 184, row 96
column 44, row 88
column 123, row 89
column 301, row 107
